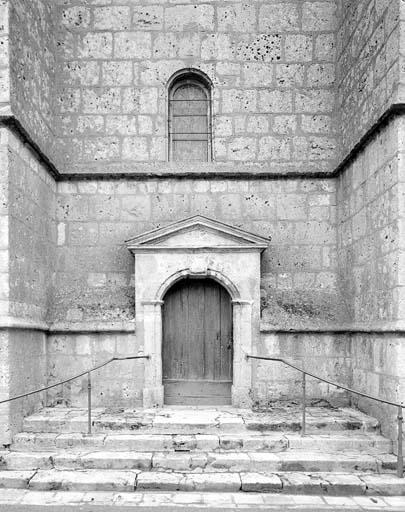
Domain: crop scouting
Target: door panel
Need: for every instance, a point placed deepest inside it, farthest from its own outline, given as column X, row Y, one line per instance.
column 197, row 343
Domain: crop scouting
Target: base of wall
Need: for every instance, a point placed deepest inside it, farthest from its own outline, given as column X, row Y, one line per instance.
column 153, row 397
column 242, row 397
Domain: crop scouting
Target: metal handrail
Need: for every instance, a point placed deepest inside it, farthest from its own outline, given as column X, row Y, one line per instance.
column 400, row 456
column 89, row 387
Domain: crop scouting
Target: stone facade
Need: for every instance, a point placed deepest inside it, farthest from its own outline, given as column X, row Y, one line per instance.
column 307, row 153
column 369, row 65
column 94, row 278
column 272, row 67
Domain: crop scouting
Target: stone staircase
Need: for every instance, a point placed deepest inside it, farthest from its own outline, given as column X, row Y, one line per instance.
column 203, row 450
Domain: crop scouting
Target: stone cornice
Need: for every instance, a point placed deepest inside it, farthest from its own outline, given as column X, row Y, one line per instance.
column 9, row 322
column 14, row 323
column 395, row 328
column 92, row 327
column 396, row 109
column 164, row 170
column 11, row 122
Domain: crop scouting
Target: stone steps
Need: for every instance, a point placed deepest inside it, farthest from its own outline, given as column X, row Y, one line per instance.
column 240, row 441
column 206, row 422
column 322, row 483
column 197, row 450
column 207, row 462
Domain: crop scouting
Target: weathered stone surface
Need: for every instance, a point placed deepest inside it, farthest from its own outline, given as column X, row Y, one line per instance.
column 159, row 481
column 15, row 479
column 114, row 460
column 26, row 461
column 84, row 481
column 259, row 482
column 87, row 81
column 213, row 482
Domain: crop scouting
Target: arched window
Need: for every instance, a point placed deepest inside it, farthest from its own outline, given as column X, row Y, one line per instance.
column 190, row 118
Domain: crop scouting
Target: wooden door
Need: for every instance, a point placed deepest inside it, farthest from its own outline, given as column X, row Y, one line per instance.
column 197, row 343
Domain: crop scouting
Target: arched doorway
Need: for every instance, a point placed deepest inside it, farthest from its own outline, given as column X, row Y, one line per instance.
column 197, row 347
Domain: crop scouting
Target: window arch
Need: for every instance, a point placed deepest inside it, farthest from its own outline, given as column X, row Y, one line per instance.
column 190, row 126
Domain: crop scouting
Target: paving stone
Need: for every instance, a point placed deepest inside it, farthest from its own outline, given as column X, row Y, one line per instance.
column 388, row 485
column 339, row 501
column 128, row 499
column 266, row 462
column 301, row 483
column 172, row 461
column 233, row 462
column 395, row 501
column 207, row 442
column 84, row 480
column 318, row 461
column 217, row 499
column 213, row 482
column 12, row 496
column 117, row 460
column 104, row 497
column 15, row 479
column 342, row 485
column 309, row 501
column 67, row 460
column 39, row 498
column 34, row 441
column 187, row 498
column 338, row 442
column 159, row 481
column 140, row 442
column 79, row 441
column 259, row 482
column 27, row 460
column 70, row 498
column 370, row 502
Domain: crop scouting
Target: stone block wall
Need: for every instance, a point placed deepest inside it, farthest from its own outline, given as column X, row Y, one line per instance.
column 27, row 236
column 272, row 66
column 4, row 223
column 94, row 281
column 4, row 59
column 32, row 68
column 378, row 369
column 326, row 355
column 25, row 370
column 369, row 230
column 370, row 244
column 369, row 64
column 117, row 385
column 32, row 233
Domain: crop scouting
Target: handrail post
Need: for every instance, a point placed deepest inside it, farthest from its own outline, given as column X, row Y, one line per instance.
column 400, row 459
column 89, row 403
column 304, row 404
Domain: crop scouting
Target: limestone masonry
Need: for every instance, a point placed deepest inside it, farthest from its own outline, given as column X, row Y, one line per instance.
column 297, row 208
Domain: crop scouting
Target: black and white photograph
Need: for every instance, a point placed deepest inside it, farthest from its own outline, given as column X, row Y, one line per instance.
column 202, row 255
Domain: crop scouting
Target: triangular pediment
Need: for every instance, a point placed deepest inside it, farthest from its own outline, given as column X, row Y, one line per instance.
column 197, row 232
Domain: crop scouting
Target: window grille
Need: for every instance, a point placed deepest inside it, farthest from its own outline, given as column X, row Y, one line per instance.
column 190, row 119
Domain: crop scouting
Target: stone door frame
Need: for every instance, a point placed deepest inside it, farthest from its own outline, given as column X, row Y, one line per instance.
column 225, row 254
column 153, row 392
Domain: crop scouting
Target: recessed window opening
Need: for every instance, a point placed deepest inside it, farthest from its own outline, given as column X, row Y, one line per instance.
column 190, row 124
